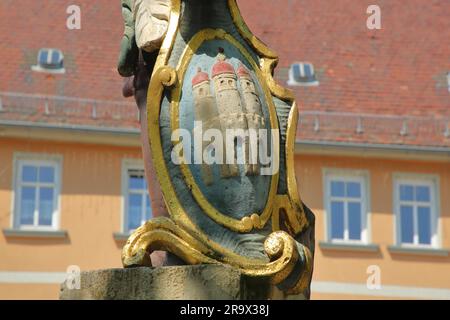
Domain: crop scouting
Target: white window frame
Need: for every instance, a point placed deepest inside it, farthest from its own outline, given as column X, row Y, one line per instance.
column 128, row 164
column 347, row 175
column 431, row 181
column 35, row 159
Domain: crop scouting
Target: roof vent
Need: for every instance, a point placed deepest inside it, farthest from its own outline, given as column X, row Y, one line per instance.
column 50, row 61
column 302, row 74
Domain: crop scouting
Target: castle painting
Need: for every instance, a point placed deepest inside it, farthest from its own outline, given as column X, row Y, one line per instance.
column 226, row 116
column 225, row 99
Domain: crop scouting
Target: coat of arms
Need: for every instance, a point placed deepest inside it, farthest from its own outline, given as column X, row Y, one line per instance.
column 222, row 136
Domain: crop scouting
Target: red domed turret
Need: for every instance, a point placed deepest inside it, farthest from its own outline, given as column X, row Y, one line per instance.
column 243, row 72
column 222, row 67
column 200, row 77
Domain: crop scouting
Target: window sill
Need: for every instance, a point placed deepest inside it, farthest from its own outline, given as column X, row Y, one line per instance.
column 349, row 247
column 52, row 234
column 419, row 251
column 121, row 236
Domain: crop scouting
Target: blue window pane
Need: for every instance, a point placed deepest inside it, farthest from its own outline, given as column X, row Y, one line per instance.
column 406, row 224
column 353, row 190
column 354, row 220
column 424, row 221
column 29, row 174
column 423, row 194
column 337, row 189
column 308, row 70
column 296, row 71
column 145, row 182
column 45, row 206
column 43, row 57
column 134, row 211
column 406, row 193
column 55, row 57
column 46, row 174
column 27, row 205
column 148, row 211
column 136, row 182
column 337, row 220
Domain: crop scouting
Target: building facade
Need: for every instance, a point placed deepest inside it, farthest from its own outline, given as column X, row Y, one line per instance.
column 372, row 152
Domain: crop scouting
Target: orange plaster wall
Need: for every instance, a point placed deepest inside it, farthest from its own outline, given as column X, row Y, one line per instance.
column 91, row 213
column 351, row 266
column 90, row 208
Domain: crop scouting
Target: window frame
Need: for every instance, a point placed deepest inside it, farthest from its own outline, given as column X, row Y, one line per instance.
column 35, row 159
column 127, row 165
column 347, row 175
column 414, row 180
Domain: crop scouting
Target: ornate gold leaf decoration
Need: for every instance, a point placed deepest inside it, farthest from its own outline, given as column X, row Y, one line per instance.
column 164, row 234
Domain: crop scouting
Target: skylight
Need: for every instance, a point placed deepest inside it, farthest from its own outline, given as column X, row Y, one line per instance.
column 302, row 74
column 50, row 61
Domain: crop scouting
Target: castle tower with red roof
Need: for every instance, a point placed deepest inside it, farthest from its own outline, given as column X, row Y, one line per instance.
column 252, row 103
column 229, row 105
column 226, row 90
column 201, row 90
column 253, row 115
column 206, row 114
column 205, row 108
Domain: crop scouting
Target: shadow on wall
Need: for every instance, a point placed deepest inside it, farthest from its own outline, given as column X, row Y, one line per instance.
column 39, row 242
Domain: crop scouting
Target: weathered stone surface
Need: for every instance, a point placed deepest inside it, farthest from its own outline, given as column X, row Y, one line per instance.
column 201, row 282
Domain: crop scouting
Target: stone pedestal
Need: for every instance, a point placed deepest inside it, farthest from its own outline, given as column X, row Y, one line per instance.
column 201, row 282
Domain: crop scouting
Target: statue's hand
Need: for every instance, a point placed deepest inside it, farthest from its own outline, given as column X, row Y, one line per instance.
column 146, row 23
column 151, row 23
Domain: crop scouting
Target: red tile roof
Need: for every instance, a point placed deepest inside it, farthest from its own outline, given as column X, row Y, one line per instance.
column 90, row 53
column 397, row 74
column 90, row 57
column 374, row 85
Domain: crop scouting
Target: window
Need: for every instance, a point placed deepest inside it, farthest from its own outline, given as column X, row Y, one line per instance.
column 36, row 194
column 137, row 205
column 416, row 211
column 346, row 207
column 50, row 60
column 302, row 74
